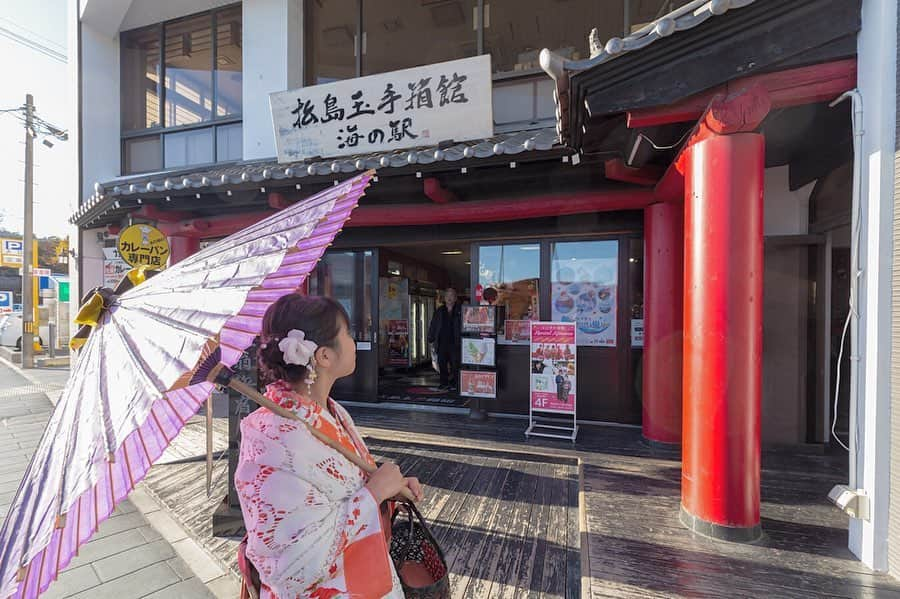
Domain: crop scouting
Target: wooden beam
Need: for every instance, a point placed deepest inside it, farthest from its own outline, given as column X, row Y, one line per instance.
column 725, row 115
column 617, row 170
column 436, row 192
column 793, row 87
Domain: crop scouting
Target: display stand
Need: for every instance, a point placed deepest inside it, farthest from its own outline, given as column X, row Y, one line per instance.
column 478, row 363
column 553, row 368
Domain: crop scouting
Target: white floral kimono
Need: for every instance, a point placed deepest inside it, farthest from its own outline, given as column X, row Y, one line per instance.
column 313, row 529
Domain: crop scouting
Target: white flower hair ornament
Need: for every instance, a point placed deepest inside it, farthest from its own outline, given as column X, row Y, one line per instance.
column 299, row 350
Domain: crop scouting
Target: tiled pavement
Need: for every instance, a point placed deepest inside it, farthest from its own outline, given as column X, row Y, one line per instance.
column 140, row 551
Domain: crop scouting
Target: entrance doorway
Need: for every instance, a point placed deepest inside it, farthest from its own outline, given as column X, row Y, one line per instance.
column 412, row 281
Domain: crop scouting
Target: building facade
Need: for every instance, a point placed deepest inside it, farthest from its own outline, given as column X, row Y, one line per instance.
column 573, row 202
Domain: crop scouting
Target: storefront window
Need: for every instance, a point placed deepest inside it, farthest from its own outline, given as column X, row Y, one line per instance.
column 515, row 31
column 508, row 277
column 331, row 34
column 189, row 71
column 229, row 62
column 584, row 280
column 346, row 277
column 398, row 34
column 140, row 79
column 199, row 81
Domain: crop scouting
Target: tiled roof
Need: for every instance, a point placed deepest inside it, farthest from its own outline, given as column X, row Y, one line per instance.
column 687, row 17
column 261, row 171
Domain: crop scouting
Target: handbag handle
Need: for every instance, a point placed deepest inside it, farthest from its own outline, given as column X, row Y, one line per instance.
column 413, row 511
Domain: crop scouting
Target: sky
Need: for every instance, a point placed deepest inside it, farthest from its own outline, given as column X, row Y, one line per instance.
column 27, row 70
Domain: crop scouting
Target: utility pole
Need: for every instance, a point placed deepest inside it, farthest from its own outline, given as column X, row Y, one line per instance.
column 28, row 236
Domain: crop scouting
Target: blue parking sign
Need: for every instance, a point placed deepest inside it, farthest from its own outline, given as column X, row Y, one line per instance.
column 6, row 299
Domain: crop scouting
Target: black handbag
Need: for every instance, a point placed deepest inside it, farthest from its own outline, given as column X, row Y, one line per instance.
column 417, row 557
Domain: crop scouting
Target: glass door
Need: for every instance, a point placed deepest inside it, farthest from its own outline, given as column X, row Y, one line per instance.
column 350, row 277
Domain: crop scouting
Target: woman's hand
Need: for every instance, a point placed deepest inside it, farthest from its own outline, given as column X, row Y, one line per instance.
column 386, row 482
column 416, row 487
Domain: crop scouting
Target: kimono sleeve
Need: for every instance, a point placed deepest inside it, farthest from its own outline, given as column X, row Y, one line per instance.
column 300, row 538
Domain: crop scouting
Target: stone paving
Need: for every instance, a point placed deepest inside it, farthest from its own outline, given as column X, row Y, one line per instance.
column 140, row 551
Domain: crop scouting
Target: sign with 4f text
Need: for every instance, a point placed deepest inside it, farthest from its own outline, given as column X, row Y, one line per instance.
column 390, row 111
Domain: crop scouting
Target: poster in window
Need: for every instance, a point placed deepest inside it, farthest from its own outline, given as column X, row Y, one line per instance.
column 398, row 342
column 521, row 303
column 479, row 319
column 591, row 306
column 553, row 359
column 478, row 384
column 516, row 332
column 478, row 352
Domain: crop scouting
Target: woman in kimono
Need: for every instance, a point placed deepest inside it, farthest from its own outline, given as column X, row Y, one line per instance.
column 316, row 523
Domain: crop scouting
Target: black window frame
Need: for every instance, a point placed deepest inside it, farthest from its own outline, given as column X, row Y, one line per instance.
column 161, row 130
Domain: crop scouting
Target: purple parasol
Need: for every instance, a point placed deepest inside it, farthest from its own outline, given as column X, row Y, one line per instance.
column 125, row 399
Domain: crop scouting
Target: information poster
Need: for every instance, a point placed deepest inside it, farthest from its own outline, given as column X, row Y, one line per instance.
column 637, row 332
column 592, row 306
column 114, row 268
column 553, row 369
column 516, row 332
column 478, row 352
column 479, row 319
column 398, row 342
column 478, row 384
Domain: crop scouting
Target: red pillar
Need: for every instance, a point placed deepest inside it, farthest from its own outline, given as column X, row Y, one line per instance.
column 663, row 314
column 181, row 247
column 723, row 277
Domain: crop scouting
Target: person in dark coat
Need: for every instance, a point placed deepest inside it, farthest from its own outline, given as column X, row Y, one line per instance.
column 445, row 332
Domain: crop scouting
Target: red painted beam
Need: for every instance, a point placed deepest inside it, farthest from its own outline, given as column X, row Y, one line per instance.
column 436, row 192
column 617, row 170
column 483, row 211
column 389, row 215
column 793, row 87
column 151, row 212
column 725, row 115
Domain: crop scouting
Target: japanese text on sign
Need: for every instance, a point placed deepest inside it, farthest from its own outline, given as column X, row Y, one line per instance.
column 389, row 111
column 143, row 245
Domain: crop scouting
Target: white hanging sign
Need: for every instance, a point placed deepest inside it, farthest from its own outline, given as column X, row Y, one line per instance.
column 389, row 111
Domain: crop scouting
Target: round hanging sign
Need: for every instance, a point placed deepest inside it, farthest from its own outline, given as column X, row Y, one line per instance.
column 144, row 245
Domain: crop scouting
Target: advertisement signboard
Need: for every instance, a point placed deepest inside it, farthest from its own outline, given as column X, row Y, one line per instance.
column 553, row 378
column 478, row 352
column 479, row 319
column 144, row 245
column 553, row 373
column 398, row 342
column 481, row 384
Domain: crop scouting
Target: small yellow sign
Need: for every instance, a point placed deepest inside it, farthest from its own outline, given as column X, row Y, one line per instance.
column 144, row 245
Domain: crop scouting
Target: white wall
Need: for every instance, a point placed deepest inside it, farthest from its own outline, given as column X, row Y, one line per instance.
column 870, row 408
column 273, row 60
column 786, row 212
column 100, row 125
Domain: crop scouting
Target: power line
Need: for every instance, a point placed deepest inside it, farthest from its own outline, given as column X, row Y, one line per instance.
column 35, row 34
column 33, row 44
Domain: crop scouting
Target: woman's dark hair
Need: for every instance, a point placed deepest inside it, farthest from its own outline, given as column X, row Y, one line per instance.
column 319, row 318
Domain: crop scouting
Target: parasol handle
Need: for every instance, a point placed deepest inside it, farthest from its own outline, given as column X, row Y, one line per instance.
column 265, row 402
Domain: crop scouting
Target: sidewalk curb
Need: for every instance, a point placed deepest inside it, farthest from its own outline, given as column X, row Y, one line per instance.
column 218, row 579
